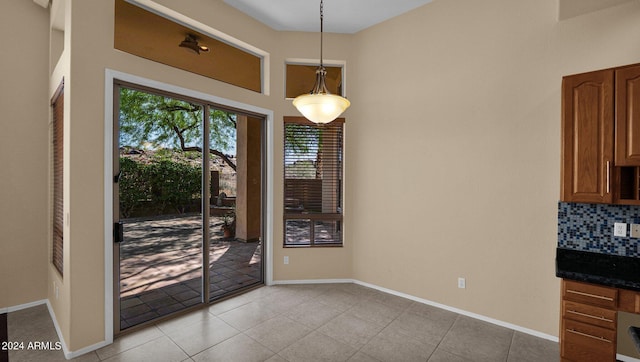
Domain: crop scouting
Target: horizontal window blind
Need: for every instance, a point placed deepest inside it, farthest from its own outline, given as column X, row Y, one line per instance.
column 57, row 106
column 313, row 158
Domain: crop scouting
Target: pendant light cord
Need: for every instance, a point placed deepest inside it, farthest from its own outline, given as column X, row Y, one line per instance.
column 321, row 28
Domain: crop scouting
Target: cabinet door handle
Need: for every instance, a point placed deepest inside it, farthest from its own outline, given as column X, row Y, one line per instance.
column 588, row 335
column 590, row 295
column 601, row 318
column 608, row 177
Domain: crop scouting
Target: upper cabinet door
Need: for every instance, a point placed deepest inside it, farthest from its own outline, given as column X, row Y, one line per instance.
column 587, row 137
column 628, row 116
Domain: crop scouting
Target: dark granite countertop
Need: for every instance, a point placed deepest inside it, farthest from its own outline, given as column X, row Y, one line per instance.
column 605, row 269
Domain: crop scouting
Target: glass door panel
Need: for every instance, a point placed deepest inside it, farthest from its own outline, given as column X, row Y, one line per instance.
column 235, row 225
column 160, row 206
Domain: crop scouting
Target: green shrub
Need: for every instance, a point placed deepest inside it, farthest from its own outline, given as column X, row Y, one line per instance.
column 162, row 186
column 134, row 188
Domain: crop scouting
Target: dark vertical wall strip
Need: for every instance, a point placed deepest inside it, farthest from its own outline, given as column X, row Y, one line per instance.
column 4, row 338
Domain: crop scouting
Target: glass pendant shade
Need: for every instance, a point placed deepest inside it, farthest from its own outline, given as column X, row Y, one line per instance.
column 321, row 108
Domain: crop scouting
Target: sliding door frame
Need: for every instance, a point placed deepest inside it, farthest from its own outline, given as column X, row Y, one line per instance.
column 113, row 81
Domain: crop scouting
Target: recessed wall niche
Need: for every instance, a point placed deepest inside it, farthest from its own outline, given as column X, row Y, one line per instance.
column 301, row 78
column 151, row 36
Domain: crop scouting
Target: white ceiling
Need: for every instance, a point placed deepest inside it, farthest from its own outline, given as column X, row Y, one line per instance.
column 340, row 16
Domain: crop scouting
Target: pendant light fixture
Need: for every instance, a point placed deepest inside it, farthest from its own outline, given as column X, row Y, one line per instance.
column 320, row 106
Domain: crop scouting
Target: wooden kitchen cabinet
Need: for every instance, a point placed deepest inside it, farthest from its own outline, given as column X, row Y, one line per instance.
column 627, row 137
column 589, row 321
column 601, row 136
column 627, row 123
column 587, row 137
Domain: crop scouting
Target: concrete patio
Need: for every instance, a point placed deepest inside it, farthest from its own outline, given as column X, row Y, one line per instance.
column 160, row 266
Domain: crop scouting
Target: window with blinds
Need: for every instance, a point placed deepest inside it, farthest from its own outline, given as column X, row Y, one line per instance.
column 57, row 104
column 313, row 157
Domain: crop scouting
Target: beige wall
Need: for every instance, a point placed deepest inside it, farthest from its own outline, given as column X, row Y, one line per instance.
column 452, row 150
column 455, row 154
column 24, row 152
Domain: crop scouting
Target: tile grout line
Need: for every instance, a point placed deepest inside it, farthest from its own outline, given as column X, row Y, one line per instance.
column 368, row 298
column 513, row 337
column 443, row 337
column 172, row 341
column 244, row 332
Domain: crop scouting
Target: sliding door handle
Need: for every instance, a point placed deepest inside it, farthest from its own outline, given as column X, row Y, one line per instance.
column 118, row 232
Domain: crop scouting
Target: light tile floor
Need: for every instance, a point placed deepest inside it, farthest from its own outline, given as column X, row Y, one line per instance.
column 330, row 322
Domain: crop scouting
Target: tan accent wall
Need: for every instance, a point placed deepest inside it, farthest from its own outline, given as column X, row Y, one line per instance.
column 300, row 79
column 151, row 36
column 454, row 149
column 24, row 153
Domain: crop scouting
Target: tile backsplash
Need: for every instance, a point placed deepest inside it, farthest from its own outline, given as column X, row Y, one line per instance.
column 589, row 227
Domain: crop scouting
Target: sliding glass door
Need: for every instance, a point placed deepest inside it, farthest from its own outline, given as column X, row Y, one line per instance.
column 175, row 157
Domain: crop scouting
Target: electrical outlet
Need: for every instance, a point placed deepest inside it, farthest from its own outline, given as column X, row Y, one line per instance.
column 286, row 260
column 635, row 230
column 57, row 292
column 462, row 283
column 620, row 229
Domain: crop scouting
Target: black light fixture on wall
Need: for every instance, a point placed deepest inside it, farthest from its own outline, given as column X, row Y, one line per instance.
column 190, row 43
column 320, row 106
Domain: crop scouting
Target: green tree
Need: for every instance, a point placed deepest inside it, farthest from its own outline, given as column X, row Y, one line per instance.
column 171, row 123
column 304, row 141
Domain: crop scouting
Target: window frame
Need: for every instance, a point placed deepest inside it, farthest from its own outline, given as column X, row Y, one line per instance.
column 57, row 179
column 313, row 218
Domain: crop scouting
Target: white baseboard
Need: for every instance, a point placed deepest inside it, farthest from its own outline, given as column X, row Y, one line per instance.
column 22, row 306
column 463, row 312
column 67, row 354
column 312, row 281
column 427, row 302
column 71, row 354
column 623, row 358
